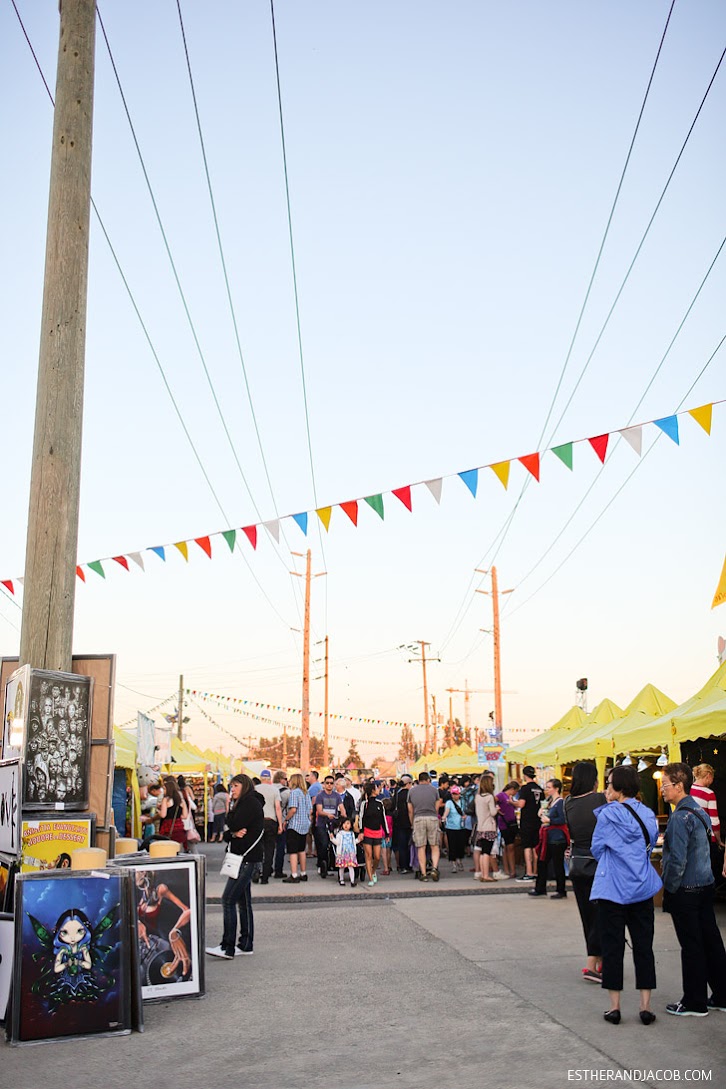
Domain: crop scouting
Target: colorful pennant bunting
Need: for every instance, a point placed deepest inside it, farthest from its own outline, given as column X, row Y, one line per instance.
column 531, row 464
column 351, row 509
column 669, row 427
column 183, row 548
column 471, row 479
column 634, row 437
column 251, row 534
column 230, row 536
column 302, row 521
column 702, row 416
column 376, row 503
column 404, row 494
column 434, row 486
column 324, row 514
column 205, row 544
column 564, row 453
column 122, row 561
column 600, row 446
column 501, row 471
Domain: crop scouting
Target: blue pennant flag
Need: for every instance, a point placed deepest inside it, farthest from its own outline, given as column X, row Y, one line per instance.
column 159, row 549
column 669, row 427
column 302, row 521
column 471, row 479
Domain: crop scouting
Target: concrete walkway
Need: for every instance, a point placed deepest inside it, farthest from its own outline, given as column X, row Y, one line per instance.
column 418, row 992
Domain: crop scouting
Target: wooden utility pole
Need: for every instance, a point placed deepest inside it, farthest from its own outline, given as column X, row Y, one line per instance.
column 421, row 643
column 46, row 637
column 325, row 716
column 305, row 724
column 180, row 708
column 283, row 762
column 436, row 740
column 498, row 720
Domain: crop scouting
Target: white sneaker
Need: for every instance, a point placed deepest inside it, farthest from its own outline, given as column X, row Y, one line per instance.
column 243, row 952
column 217, row 951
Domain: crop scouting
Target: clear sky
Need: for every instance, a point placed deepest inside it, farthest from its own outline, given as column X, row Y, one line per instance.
column 452, row 168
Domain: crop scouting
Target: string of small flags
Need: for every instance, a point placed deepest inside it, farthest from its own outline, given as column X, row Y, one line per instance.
column 282, row 726
column 244, row 707
column 531, row 463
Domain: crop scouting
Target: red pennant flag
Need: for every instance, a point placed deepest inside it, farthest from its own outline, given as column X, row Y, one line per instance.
column 404, row 494
column 8, row 583
column 80, row 574
column 251, row 534
column 351, row 509
column 122, row 560
column 531, row 463
column 205, row 544
column 600, row 445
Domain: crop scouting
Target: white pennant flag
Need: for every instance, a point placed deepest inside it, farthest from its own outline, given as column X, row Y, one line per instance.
column 21, row 581
column 434, row 486
column 634, row 437
column 137, row 558
column 273, row 528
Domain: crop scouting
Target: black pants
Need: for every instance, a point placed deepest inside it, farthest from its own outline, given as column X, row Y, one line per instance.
column 322, row 846
column 556, row 855
column 269, row 842
column 458, row 839
column 582, row 887
column 640, row 921
column 703, row 959
column 402, row 846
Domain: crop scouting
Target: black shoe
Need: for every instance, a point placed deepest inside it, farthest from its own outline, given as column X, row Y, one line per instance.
column 533, row 892
column 278, row 876
column 679, row 1010
column 405, row 871
column 558, row 896
column 647, row 1017
column 303, row 877
column 613, row 1016
column 714, row 1005
column 264, row 881
column 255, row 880
column 353, row 884
column 323, row 871
column 290, row 880
column 342, row 884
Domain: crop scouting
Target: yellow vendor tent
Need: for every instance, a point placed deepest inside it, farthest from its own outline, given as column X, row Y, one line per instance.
column 125, row 757
column 598, row 740
column 526, row 752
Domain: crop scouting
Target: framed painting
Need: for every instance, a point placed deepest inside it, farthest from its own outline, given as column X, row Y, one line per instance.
column 47, row 844
column 170, row 919
column 57, row 742
column 7, row 933
column 10, row 807
column 15, row 711
column 72, row 965
column 8, row 869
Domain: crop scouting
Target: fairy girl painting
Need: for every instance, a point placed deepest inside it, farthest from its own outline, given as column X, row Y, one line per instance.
column 72, row 963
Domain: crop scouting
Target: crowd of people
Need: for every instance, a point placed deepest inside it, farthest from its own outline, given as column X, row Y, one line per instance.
column 604, row 840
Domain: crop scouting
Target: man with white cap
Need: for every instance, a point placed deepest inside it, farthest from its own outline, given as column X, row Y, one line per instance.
column 273, row 821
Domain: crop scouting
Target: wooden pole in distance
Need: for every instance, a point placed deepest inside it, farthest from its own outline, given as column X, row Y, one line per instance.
column 325, row 725
column 305, row 725
column 46, row 637
column 180, row 708
column 423, row 646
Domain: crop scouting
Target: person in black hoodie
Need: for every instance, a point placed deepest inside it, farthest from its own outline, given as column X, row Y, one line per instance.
column 244, row 831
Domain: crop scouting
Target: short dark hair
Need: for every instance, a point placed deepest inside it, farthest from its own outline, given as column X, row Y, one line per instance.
column 432, row 773
column 424, row 777
column 680, row 773
column 584, row 778
column 625, row 779
column 529, row 771
column 556, row 783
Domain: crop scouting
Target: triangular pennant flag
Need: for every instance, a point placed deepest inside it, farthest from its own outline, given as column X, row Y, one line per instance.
column 183, row 548
column 501, row 471
column 159, row 549
column 376, row 502
column 95, row 565
column 7, row 583
column 434, row 486
column 302, row 521
column 21, row 581
column 531, row 464
column 702, row 416
column 251, row 533
column 324, row 514
column 564, row 453
column 122, row 561
column 137, row 558
column 404, row 494
column 634, row 437
column 669, row 427
column 720, row 596
column 205, row 544
column 471, row 479
column 273, row 528
column 600, row 446
column 230, row 536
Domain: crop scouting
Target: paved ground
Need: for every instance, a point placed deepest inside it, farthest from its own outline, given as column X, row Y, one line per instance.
column 483, row 990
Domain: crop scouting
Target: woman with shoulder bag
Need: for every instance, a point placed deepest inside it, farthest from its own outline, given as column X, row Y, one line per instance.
column 190, row 827
column 624, row 886
column 173, row 812
column 243, row 835
column 580, row 806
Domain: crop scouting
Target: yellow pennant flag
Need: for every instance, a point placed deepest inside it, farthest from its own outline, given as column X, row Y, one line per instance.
column 182, row 546
column 323, row 514
column 501, row 469
column 702, row 416
column 720, row 596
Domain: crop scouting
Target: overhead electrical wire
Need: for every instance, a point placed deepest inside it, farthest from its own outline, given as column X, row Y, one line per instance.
column 150, row 343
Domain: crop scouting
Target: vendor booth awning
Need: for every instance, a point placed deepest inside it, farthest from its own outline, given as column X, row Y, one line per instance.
column 703, row 715
column 525, row 753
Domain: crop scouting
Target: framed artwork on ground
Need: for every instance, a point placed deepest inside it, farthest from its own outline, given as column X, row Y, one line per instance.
column 57, row 741
column 10, row 807
column 7, row 935
column 8, row 869
column 169, row 899
column 48, row 843
column 15, row 712
column 72, row 968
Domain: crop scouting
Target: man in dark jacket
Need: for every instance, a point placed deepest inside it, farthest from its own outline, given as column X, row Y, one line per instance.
column 689, row 887
column 402, row 825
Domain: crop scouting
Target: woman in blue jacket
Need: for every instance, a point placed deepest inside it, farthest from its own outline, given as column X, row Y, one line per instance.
column 625, row 883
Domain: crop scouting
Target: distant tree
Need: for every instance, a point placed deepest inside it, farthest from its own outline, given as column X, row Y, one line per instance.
column 353, row 757
column 407, row 748
column 270, row 748
column 458, row 732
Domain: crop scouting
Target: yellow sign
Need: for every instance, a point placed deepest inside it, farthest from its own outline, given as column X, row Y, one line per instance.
column 47, row 845
column 720, row 595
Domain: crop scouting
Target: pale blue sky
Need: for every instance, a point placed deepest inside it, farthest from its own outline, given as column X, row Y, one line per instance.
column 452, row 168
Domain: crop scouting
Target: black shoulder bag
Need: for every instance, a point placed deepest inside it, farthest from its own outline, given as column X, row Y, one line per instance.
column 583, row 863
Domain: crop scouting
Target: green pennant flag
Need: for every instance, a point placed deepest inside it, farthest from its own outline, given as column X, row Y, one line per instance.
column 375, row 501
column 95, row 565
column 230, row 536
column 564, row 453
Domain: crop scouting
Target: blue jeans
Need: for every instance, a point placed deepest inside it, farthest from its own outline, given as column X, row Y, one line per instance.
column 237, row 895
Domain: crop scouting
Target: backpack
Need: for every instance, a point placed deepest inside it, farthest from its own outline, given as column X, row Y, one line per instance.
column 468, row 802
